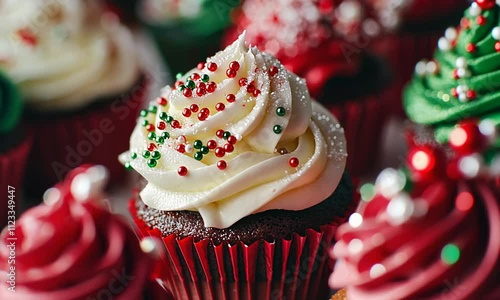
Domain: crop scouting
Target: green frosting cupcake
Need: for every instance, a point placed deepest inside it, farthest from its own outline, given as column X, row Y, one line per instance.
column 10, row 105
column 463, row 79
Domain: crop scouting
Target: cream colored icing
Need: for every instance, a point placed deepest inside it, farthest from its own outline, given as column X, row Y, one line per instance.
column 257, row 178
column 65, row 54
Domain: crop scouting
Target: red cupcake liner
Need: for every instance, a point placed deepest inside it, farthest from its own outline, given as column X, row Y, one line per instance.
column 404, row 51
column 363, row 121
column 433, row 10
column 94, row 136
column 295, row 268
column 12, row 168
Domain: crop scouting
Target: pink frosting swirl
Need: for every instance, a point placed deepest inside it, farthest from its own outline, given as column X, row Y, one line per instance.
column 380, row 259
column 73, row 249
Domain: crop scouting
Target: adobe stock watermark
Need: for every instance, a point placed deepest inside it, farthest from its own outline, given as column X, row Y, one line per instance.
column 116, row 285
column 121, row 107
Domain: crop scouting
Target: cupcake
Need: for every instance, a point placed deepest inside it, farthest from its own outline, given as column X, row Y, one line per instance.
column 186, row 30
column 324, row 42
column 79, row 75
column 14, row 149
column 414, row 28
column 243, row 179
column 452, row 97
column 424, row 235
column 72, row 247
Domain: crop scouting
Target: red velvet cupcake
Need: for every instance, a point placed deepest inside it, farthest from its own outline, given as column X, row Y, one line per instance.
column 414, row 27
column 79, row 74
column 72, row 247
column 324, row 42
column 242, row 178
column 432, row 231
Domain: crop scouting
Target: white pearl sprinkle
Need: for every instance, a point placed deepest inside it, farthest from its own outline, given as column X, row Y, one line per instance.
column 431, row 67
column 189, row 148
column 487, row 128
column 450, row 34
column 462, row 97
column 475, row 10
column 86, row 185
column 181, row 139
column 400, row 209
column 463, row 73
column 498, row 2
column 444, row 44
column 471, row 165
column 390, row 182
column 461, row 62
column 421, row 68
column 51, row 196
column 355, row 246
column 355, row 220
column 377, row 270
column 495, row 166
column 461, row 89
column 496, row 33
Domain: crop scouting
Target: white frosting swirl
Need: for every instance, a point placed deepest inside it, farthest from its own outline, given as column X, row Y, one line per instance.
column 257, row 178
column 65, row 53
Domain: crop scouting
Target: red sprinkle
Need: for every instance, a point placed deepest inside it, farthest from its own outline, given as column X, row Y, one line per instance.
column 471, row 94
column 195, row 76
column 201, row 66
column 151, row 147
column 194, row 108
column 186, row 112
column 212, row 67
column 201, row 92
column 228, row 148
column 464, row 23
column 256, row 93
column 202, row 116
column 211, row 87
column 187, row 92
column 205, row 111
column 454, row 92
column 497, row 46
column 161, row 125
column 150, row 127
column 220, row 106
column 251, row 88
column 234, row 66
column 162, row 101
column 273, row 71
column 211, row 144
column 221, row 165
column 178, row 83
column 27, row 36
column 293, row 162
column 455, row 74
column 471, row 48
column 181, row 148
column 243, row 81
column 232, row 140
column 230, row 98
column 182, row 171
column 481, row 20
column 219, row 133
column 201, row 85
column 231, row 73
column 175, row 124
column 220, row 152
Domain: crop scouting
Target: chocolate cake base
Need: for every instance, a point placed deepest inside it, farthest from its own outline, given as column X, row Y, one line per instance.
column 269, row 225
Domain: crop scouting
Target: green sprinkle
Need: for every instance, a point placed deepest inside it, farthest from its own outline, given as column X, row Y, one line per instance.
column 197, row 144
column 190, row 84
column 178, row 76
column 277, row 129
column 153, row 109
column 144, row 113
column 144, row 123
column 128, row 166
column 133, row 155
column 367, row 192
column 450, row 254
column 198, row 156
column 205, row 78
column 163, row 115
column 146, row 154
column 226, row 135
column 181, row 87
column 151, row 136
column 160, row 140
column 152, row 163
column 169, row 119
column 204, row 150
column 281, row 111
column 156, row 155
column 165, row 135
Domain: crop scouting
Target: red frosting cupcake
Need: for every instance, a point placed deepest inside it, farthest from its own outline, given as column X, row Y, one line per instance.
column 324, row 42
column 72, row 247
column 431, row 232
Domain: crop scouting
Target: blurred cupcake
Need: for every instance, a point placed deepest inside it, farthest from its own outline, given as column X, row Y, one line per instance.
column 79, row 74
column 126, row 9
column 415, row 26
column 425, row 234
column 324, row 42
column 186, row 31
column 14, row 149
column 72, row 247
column 454, row 96
column 243, row 178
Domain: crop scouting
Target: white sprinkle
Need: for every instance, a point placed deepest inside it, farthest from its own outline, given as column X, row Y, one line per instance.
column 421, row 68
column 400, row 209
column 431, row 67
column 471, row 165
column 461, row 62
column 451, row 33
column 487, row 128
column 444, row 44
column 355, row 246
column 377, row 270
column 496, row 33
column 390, row 182
column 475, row 10
column 51, row 196
column 355, row 220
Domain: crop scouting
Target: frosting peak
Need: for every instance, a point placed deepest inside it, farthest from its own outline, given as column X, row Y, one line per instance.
column 237, row 136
